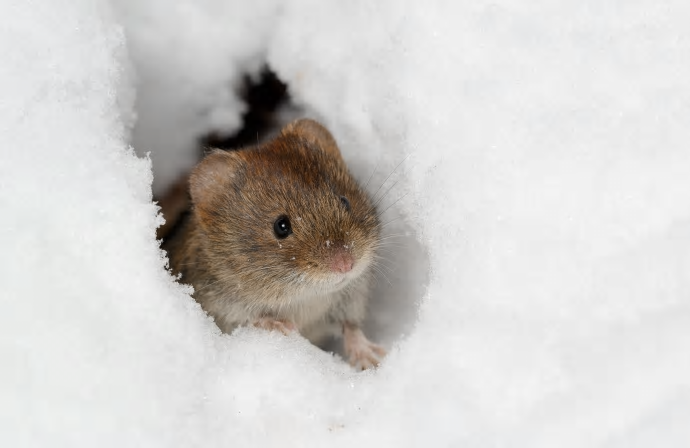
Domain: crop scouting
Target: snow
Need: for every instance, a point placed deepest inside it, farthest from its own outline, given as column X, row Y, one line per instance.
column 190, row 66
column 534, row 159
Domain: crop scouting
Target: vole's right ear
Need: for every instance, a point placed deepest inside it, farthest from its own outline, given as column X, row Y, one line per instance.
column 314, row 132
column 211, row 174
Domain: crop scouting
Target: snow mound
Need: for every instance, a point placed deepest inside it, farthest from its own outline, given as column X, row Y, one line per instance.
column 538, row 152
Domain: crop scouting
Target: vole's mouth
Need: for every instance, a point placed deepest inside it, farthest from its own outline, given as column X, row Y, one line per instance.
column 338, row 281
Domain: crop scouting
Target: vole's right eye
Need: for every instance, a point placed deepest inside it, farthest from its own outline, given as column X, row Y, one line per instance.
column 282, row 227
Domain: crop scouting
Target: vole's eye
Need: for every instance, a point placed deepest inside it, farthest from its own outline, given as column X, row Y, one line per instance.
column 345, row 202
column 282, row 227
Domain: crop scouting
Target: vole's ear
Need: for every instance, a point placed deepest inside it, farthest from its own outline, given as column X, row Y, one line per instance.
column 313, row 132
column 211, row 175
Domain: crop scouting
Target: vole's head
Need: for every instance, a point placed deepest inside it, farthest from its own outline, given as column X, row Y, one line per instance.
column 285, row 219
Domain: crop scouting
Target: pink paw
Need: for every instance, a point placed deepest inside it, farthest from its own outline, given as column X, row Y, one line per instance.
column 268, row 323
column 361, row 352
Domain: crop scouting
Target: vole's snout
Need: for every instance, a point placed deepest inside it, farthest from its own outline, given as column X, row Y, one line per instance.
column 341, row 261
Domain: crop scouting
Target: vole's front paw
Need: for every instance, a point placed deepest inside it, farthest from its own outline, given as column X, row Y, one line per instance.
column 268, row 323
column 361, row 352
column 366, row 356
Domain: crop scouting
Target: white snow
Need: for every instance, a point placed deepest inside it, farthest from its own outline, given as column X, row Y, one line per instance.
column 538, row 289
column 191, row 56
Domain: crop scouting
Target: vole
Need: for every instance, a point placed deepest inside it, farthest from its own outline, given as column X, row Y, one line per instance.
column 280, row 236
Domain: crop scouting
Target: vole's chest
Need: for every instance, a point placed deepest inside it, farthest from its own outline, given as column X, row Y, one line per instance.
column 314, row 317
column 308, row 310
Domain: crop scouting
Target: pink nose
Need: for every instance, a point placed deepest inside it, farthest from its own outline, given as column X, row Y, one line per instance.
column 341, row 262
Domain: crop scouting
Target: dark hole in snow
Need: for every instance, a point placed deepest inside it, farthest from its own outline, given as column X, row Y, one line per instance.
column 263, row 96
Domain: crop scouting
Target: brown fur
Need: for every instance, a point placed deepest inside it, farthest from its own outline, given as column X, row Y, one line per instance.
column 242, row 273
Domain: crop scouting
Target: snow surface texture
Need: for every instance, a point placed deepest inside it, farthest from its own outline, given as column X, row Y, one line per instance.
column 191, row 56
column 548, row 150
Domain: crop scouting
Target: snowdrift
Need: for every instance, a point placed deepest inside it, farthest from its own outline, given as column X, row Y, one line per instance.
column 539, row 287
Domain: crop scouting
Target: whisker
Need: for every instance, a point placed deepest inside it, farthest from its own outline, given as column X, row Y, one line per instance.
column 391, row 173
column 392, row 235
column 389, row 243
column 382, row 266
column 378, row 201
column 379, row 259
column 382, row 274
column 390, row 246
column 371, row 176
column 387, row 239
column 388, row 266
column 386, row 250
column 389, row 222
column 396, row 201
column 397, row 236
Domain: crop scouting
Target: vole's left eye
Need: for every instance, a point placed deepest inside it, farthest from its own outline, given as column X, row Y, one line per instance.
column 345, row 202
column 282, row 227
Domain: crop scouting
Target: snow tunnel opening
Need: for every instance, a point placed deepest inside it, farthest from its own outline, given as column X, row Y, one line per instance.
column 402, row 272
column 266, row 98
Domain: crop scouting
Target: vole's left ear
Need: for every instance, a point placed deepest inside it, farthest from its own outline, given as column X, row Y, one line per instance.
column 313, row 132
column 211, row 176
